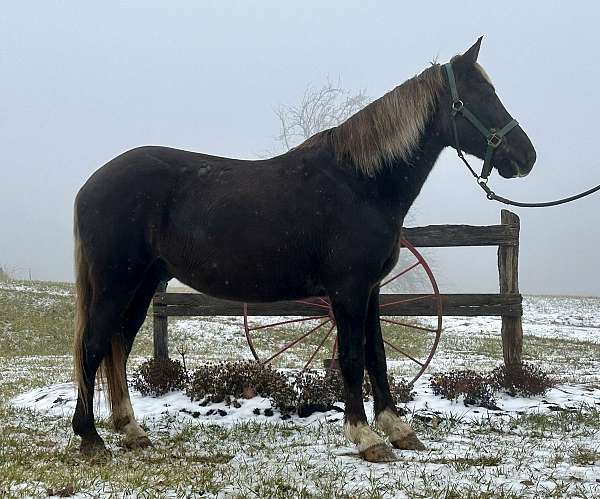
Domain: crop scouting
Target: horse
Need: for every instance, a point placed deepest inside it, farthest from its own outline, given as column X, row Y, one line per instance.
column 323, row 219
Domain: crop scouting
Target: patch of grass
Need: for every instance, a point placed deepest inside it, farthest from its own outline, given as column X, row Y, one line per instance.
column 536, row 347
column 584, row 456
column 37, row 318
column 461, row 463
column 581, row 421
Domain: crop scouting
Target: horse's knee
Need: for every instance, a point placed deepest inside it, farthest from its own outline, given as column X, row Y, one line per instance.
column 352, row 366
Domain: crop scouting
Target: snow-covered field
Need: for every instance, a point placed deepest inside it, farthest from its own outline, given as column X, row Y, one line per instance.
column 545, row 446
column 59, row 400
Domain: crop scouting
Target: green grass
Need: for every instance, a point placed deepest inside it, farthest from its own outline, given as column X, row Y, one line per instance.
column 39, row 320
column 462, row 463
column 34, row 323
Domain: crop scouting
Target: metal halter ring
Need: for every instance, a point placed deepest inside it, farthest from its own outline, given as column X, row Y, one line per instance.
column 457, row 106
column 494, row 140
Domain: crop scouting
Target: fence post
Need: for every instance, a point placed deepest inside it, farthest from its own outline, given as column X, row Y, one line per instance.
column 508, row 271
column 160, row 320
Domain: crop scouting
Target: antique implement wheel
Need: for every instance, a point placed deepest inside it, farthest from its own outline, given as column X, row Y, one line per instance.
column 317, row 333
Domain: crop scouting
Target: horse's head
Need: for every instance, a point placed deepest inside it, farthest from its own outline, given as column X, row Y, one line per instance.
column 482, row 124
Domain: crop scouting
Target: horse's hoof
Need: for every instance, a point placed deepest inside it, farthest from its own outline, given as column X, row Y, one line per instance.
column 94, row 447
column 141, row 442
column 379, row 453
column 410, row 442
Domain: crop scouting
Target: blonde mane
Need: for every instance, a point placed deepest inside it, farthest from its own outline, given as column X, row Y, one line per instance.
column 390, row 127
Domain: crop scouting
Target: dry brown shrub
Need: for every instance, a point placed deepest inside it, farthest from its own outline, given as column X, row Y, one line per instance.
column 523, row 379
column 157, row 377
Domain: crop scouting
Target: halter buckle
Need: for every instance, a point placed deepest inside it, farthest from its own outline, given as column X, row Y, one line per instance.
column 494, row 140
column 457, row 106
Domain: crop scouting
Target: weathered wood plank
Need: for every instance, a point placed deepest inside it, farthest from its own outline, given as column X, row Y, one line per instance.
column 508, row 270
column 462, row 235
column 191, row 304
column 160, row 322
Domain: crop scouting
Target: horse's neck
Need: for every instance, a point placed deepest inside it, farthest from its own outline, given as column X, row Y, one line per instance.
column 402, row 181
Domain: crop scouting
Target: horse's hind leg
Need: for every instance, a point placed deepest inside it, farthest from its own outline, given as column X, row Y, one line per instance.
column 122, row 410
column 400, row 434
column 92, row 346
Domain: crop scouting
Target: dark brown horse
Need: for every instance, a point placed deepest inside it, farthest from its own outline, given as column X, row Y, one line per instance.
column 322, row 219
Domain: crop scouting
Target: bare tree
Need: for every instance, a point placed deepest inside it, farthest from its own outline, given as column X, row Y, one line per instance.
column 320, row 108
column 5, row 275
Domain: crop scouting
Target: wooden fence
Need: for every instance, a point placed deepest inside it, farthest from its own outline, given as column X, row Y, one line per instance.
column 507, row 303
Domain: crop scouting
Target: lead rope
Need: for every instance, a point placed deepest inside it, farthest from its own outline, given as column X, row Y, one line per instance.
column 491, row 195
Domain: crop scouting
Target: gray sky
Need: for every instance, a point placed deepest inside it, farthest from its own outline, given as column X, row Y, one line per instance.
column 82, row 82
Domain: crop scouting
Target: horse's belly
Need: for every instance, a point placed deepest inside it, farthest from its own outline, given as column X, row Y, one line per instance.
column 268, row 279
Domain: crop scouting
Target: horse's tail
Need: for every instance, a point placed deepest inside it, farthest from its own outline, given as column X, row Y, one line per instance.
column 83, row 298
column 111, row 373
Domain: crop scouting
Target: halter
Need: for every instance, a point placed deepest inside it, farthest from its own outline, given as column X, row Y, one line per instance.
column 492, row 136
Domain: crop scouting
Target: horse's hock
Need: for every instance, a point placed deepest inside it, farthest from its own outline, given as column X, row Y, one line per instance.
column 507, row 303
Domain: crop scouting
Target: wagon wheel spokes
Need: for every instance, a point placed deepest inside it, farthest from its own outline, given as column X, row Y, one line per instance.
column 406, row 324
column 400, row 274
column 432, row 333
column 294, row 342
column 399, row 350
column 325, row 303
column 327, row 335
column 408, row 300
column 322, row 313
column 290, row 321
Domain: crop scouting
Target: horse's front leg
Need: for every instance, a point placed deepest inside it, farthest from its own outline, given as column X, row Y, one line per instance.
column 350, row 310
column 400, row 434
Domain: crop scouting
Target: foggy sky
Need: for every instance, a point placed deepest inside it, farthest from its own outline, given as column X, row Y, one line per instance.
column 80, row 83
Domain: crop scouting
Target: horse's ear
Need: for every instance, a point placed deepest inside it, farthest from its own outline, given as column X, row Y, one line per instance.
column 471, row 54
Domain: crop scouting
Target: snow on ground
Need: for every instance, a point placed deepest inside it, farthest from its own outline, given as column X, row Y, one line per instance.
column 564, row 317
column 60, row 399
column 37, row 288
column 474, row 452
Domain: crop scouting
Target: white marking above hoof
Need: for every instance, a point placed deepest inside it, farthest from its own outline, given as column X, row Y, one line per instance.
column 393, row 426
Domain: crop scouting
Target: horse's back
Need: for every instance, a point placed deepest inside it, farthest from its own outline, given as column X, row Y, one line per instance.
column 250, row 230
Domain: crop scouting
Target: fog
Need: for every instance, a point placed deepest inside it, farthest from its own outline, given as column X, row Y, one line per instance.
column 81, row 83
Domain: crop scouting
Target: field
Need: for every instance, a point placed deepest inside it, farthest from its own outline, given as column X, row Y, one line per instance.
column 539, row 447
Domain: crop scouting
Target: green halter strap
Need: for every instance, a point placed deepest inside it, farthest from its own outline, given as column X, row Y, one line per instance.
column 493, row 136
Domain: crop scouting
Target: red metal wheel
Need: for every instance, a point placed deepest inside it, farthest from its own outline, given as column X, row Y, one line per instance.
column 302, row 341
